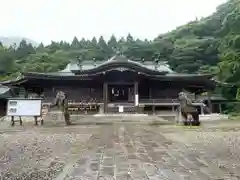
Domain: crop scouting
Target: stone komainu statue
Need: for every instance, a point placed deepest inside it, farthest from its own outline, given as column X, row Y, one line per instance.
column 188, row 111
column 62, row 102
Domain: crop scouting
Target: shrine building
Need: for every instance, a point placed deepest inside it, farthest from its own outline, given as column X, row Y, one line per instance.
column 136, row 86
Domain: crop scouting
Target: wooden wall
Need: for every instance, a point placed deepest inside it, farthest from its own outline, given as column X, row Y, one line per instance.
column 3, row 106
column 159, row 90
column 77, row 94
column 86, row 90
column 85, row 94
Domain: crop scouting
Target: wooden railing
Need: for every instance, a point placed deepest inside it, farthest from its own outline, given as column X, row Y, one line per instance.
column 158, row 101
column 154, row 101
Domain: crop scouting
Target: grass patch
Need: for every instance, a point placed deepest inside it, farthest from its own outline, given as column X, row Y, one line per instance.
column 234, row 116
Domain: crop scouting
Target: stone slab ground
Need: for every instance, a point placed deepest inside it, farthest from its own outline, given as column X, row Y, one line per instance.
column 120, row 151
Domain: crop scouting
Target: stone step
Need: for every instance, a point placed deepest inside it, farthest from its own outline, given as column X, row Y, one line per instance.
column 120, row 115
column 126, row 109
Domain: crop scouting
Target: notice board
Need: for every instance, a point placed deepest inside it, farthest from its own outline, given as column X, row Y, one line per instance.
column 24, row 107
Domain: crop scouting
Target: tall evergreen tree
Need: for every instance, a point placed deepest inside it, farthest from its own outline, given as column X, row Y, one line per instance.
column 75, row 43
column 112, row 43
column 24, row 49
column 94, row 42
column 103, row 45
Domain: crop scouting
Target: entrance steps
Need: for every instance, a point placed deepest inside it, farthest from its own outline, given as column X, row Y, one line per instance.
column 120, row 115
column 119, row 118
column 127, row 108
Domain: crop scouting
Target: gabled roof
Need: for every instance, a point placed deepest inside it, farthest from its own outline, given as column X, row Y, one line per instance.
column 88, row 69
column 88, row 66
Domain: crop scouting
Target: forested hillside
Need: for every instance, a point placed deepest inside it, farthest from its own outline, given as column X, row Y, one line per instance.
column 208, row 45
column 15, row 41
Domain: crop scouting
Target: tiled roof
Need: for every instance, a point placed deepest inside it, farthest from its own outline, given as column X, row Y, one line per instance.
column 91, row 64
column 86, row 69
column 4, row 92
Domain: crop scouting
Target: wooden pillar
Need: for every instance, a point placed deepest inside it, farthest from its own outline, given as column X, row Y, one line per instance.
column 209, row 94
column 150, row 93
column 36, row 120
column 12, row 121
column 179, row 115
column 220, row 108
column 195, row 96
column 129, row 94
column 105, row 96
column 136, row 96
column 153, row 107
column 202, row 112
column 135, row 87
column 25, row 93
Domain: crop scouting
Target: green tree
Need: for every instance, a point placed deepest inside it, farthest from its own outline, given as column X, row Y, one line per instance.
column 75, row 43
column 112, row 43
column 6, row 61
column 24, row 49
column 207, row 45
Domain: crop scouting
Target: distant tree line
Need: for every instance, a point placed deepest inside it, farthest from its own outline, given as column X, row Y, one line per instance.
column 208, row 45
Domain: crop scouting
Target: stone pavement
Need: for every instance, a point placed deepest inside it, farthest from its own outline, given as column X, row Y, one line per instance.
column 120, row 151
column 125, row 152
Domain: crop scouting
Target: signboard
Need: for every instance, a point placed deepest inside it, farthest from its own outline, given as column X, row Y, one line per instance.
column 120, row 109
column 24, row 107
column 136, row 100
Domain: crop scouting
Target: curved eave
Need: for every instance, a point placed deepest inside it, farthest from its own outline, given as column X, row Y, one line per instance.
column 63, row 76
column 213, row 98
column 42, row 76
column 115, row 64
column 223, row 84
column 203, row 80
column 54, row 76
column 168, row 76
column 5, row 92
column 14, row 81
column 189, row 76
column 185, row 77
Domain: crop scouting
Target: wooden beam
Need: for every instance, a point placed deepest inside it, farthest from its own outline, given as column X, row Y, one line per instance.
column 105, row 96
column 136, row 93
column 209, row 94
column 220, row 108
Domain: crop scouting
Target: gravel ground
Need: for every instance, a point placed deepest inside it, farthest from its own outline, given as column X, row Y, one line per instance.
column 120, row 151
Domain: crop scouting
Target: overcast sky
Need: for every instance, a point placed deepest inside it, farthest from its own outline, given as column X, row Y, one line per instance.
column 46, row 20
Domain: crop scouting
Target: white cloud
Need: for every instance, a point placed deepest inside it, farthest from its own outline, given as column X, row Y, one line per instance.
column 46, row 20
